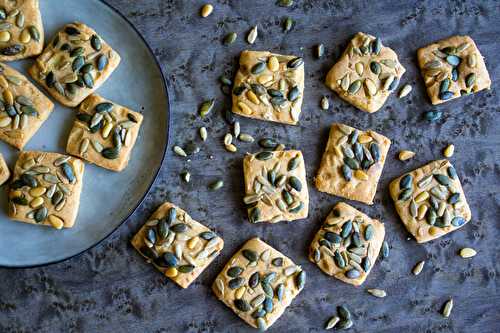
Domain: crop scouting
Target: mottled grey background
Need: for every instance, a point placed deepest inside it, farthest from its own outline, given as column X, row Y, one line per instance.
column 111, row 289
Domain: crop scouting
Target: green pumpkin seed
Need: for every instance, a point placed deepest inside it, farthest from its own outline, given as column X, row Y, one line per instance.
column 354, row 87
column 344, row 312
column 346, row 172
column 230, row 38
column 287, row 24
column 258, row 68
column 34, row 33
column 293, row 163
column 453, row 60
column 344, row 324
column 293, row 94
column 375, row 67
column 369, row 232
column 206, row 107
column 295, row 63
column 300, row 280
column 385, row 249
column 470, row 80
column 351, row 163
column 96, row 43
column 285, row 3
column 41, row 214
column 216, row 185
column 406, row 182
column 254, row 215
column 264, row 155
column 442, row 179
column 102, row 62
column 111, row 153
column 250, row 255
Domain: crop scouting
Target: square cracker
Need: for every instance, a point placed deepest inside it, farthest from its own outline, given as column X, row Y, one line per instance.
column 104, row 133
column 451, row 68
column 430, row 201
column 45, row 189
column 347, row 245
column 352, row 163
column 178, row 246
column 74, row 64
column 258, row 283
column 275, row 186
column 23, row 36
column 23, row 108
column 366, row 73
column 269, row 86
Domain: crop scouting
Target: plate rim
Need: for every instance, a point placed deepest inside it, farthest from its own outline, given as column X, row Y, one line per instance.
column 155, row 177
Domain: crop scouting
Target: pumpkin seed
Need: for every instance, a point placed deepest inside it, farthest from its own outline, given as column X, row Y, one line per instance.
column 246, row 137
column 295, row 183
column 433, row 115
column 344, row 324
column 458, row 221
column 453, row 60
column 332, row 322
column 206, row 107
column 264, row 155
column 285, row 3
column 418, row 267
column 442, row 179
column 354, row 87
column 467, row 252
column 385, row 249
column 344, row 312
column 218, row 184
column 405, row 91
column 377, row 292
column 470, row 79
column 448, row 306
column 12, row 50
column 252, row 35
column 295, row 63
column 300, row 280
column 375, row 67
column 41, row 214
column 229, row 38
column 206, row 10
column 288, row 24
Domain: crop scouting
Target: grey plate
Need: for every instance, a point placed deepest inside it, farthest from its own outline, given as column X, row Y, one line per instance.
column 108, row 198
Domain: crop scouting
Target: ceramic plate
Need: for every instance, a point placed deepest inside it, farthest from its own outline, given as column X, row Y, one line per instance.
column 108, row 198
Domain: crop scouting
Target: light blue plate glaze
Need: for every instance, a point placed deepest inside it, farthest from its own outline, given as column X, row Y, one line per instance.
column 107, row 198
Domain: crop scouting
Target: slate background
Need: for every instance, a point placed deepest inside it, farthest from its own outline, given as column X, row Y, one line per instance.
column 111, row 289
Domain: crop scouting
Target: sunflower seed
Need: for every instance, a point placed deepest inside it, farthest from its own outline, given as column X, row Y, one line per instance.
column 405, row 91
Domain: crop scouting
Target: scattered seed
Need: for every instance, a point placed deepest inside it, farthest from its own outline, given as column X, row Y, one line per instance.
column 467, row 252
column 448, row 151
column 285, row 3
column 433, row 115
column 332, row 322
column 448, row 306
column 203, row 133
column 206, row 107
column 206, row 10
column 216, row 185
column 385, row 249
column 377, row 292
column 288, row 24
column 319, row 50
column 325, row 104
column 179, row 151
column 405, row 91
column 186, row 176
column 418, row 267
column 230, row 38
column 246, row 137
column 405, row 155
column 252, row 35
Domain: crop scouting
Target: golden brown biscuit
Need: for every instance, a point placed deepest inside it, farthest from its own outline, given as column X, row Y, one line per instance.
column 269, row 87
column 366, row 73
column 23, row 108
column 430, row 201
column 46, row 189
column 352, row 163
column 453, row 67
column 259, row 283
column 104, row 133
column 74, row 64
column 21, row 35
column 347, row 245
column 178, row 246
column 275, row 186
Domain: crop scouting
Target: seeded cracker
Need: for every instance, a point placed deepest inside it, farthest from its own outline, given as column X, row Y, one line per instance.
column 259, row 283
column 348, row 244
column 275, row 186
column 4, row 171
column 23, row 108
column 352, row 163
column 22, row 34
column 74, row 64
column 45, row 189
column 269, row 87
column 430, row 201
column 178, row 246
column 366, row 73
column 104, row 133
column 451, row 68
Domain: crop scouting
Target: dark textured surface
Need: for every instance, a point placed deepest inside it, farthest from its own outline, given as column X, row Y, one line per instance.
column 111, row 289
